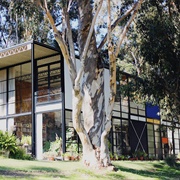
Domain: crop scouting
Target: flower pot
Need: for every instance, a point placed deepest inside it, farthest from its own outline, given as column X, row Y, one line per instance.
column 51, row 158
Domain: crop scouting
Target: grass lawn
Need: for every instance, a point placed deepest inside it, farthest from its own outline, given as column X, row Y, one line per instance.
column 43, row 170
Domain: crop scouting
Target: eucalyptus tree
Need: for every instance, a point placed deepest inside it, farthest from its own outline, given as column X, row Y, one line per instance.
column 154, row 51
column 88, row 81
column 6, row 26
column 18, row 24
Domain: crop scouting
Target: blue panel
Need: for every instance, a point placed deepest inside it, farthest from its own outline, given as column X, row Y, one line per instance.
column 152, row 111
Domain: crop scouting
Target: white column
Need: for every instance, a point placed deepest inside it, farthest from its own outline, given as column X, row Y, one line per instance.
column 39, row 140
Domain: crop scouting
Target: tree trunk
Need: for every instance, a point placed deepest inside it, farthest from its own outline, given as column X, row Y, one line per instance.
column 93, row 101
column 88, row 96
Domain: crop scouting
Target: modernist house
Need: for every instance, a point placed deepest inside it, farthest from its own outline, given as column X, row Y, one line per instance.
column 35, row 101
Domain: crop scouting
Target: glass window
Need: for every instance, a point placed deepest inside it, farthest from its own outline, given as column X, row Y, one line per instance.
column 125, row 115
column 3, row 124
column 69, row 119
column 116, row 113
column 124, row 106
column 23, row 88
column 22, row 130
column 133, row 105
column 52, row 133
column 150, row 142
column 150, row 127
column 176, row 133
column 134, row 117
column 150, row 133
column 49, row 82
column 116, row 106
column 142, row 119
column 51, row 125
column 133, row 111
column 141, row 112
column 3, row 92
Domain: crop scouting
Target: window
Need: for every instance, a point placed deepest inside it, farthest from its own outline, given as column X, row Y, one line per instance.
column 3, row 92
column 22, row 88
column 49, row 82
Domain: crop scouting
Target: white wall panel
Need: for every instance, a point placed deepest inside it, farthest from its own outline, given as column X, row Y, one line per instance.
column 3, row 124
column 48, row 107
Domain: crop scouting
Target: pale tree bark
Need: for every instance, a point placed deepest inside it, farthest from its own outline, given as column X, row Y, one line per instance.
column 88, row 82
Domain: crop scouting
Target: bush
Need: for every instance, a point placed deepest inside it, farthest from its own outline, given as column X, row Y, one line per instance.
column 52, row 149
column 7, row 142
column 170, row 161
column 20, row 153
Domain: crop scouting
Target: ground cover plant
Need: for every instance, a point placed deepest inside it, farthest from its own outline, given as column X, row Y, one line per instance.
column 21, row 169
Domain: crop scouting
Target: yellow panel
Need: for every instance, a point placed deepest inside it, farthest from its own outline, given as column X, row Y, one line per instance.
column 156, row 121
column 150, row 120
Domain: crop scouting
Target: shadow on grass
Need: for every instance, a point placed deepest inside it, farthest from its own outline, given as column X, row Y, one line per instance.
column 11, row 172
column 100, row 174
column 31, row 173
column 160, row 171
column 48, row 171
column 44, row 169
column 114, row 175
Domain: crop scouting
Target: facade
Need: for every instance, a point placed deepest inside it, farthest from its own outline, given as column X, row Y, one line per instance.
column 36, row 102
column 139, row 127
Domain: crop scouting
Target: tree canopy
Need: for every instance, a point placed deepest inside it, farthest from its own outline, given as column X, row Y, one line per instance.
column 153, row 52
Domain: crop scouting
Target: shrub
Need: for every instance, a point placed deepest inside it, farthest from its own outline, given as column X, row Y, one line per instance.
column 20, row 153
column 46, row 146
column 52, row 149
column 171, row 161
column 7, row 142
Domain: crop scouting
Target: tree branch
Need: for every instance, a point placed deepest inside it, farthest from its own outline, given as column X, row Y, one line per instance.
column 112, row 72
column 84, row 54
column 69, row 5
column 112, row 65
column 76, row 114
column 112, row 68
column 62, row 44
column 137, row 64
column 138, row 5
column 69, row 36
column 116, row 22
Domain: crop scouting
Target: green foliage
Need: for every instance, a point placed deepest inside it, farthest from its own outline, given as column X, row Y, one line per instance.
column 7, row 142
column 138, row 154
column 20, row 153
column 153, row 52
column 53, row 149
column 171, row 161
column 72, row 145
column 56, row 146
column 46, row 146
column 26, row 140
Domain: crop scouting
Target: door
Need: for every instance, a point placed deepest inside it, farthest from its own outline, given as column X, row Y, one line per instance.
column 138, row 136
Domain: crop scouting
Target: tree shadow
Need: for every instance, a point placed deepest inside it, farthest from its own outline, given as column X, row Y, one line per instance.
column 159, row 171
column 114, row 175
column 44, row 169
column 31, row 173
column 8, row 172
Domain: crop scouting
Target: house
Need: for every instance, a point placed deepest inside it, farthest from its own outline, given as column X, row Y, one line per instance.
column 36, row 101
